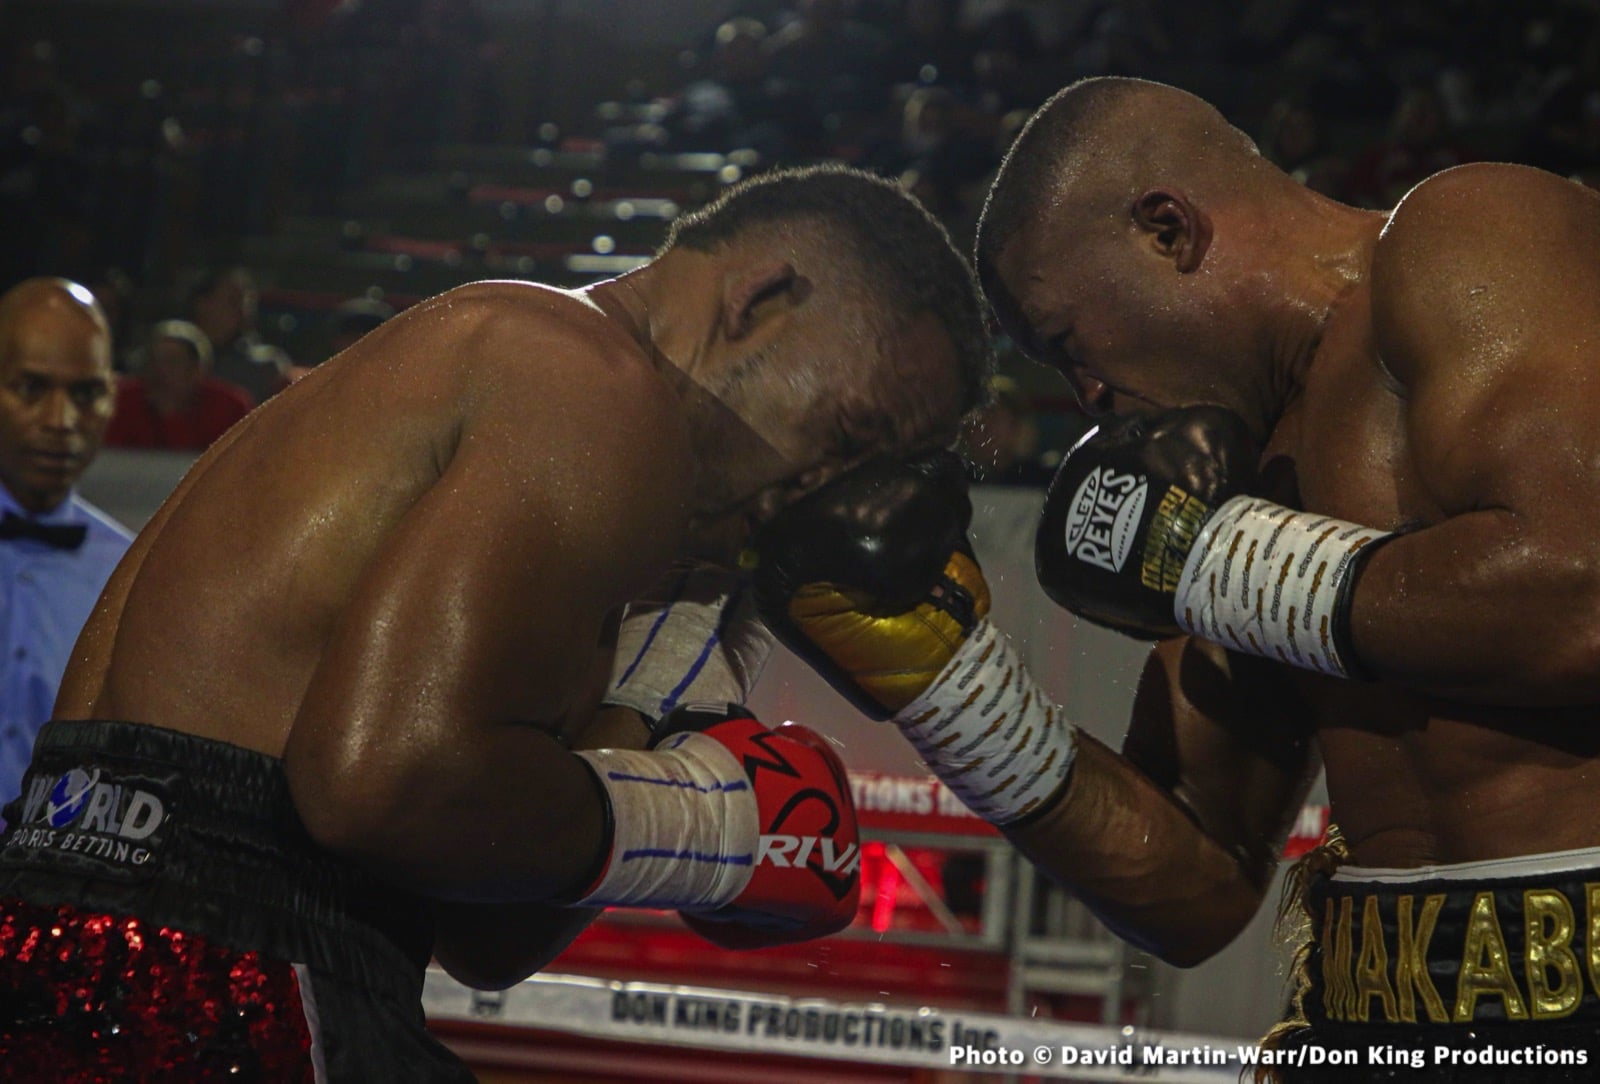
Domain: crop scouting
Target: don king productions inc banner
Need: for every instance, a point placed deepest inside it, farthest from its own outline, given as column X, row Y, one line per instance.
column 745, row 1022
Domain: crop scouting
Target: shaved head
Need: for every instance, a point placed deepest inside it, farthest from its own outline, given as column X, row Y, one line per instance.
column 1132, row 240
column 899, row 253
column 1099, row 142
column 40, row 297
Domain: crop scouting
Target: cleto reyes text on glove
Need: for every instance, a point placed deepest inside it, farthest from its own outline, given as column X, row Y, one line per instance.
column 1149, row 529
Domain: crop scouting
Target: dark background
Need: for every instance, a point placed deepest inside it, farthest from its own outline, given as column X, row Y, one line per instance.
column 394, row 148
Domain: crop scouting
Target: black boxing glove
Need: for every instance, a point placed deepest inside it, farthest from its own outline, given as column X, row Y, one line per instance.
column 1125, row 507
column 871, row 580
column 1149, row 529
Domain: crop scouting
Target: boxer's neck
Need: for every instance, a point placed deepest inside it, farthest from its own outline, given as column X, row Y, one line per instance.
column 669, row 307
column 625, row 305
column 1328, row 249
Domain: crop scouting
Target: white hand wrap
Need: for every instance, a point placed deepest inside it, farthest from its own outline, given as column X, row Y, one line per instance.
column 1269, row 581
column 989, row 732
column 695, row 638
column 685, row 826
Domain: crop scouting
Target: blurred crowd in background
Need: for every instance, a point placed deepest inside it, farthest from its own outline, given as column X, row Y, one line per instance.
column 137, row 167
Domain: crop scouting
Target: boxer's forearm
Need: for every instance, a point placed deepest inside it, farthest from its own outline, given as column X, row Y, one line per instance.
column 1124, row 847
column 1487, row 607
column 490, row 946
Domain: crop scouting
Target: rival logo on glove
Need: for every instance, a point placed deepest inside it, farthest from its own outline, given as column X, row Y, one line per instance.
column 1105, row 513
column 834, row 868
column 794, row 852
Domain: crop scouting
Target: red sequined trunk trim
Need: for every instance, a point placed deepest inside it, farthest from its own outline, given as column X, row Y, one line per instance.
column 86, row 998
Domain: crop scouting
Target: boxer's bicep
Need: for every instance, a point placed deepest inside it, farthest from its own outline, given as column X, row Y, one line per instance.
column 1485, row 294
column 470, row 639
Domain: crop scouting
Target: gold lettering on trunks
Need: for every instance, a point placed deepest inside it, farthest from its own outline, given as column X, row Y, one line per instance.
column 1485, row 969
column 1548, row 927
column 1591, row 893
column 1372, row 965
column 1338, row 991
column 1411, row 963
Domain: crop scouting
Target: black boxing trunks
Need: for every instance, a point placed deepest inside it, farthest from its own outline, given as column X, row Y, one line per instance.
column 1485, row 971
column 165, row 916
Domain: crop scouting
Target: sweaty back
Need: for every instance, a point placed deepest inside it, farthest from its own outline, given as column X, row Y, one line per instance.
column 216, row 622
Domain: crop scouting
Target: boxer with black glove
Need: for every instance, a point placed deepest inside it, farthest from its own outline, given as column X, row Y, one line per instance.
column 871, row 580
column 1149, row 528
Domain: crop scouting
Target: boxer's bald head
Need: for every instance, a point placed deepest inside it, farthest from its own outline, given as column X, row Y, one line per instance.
column 1123, row 227
column 1094, row 143
column 55, row 388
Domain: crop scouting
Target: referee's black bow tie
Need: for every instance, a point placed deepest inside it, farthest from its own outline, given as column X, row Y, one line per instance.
column 63, row 536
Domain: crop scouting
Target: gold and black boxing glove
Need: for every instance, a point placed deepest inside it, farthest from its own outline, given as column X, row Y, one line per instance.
column 872, row 581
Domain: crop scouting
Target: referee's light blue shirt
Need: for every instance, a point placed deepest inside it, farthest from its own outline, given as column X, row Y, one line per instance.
column 46, row 594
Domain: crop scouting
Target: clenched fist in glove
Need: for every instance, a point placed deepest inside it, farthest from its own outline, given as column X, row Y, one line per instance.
column 871, row 579
column 1149, row 528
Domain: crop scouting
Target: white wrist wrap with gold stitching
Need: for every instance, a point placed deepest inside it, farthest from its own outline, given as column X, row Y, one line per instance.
column 1266, row 580
column 989, row 732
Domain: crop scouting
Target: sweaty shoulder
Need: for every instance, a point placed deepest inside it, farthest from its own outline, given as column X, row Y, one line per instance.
column 513, row 326
column 1477, row 260
column 551, row 388
column 565, row 418
column 545, row 353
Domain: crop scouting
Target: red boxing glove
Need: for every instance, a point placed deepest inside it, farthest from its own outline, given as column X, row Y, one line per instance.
column 748, row 830
column 805, row 881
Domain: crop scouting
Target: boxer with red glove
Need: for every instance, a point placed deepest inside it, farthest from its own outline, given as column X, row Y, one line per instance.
column 749, row 831
column 1149, row 529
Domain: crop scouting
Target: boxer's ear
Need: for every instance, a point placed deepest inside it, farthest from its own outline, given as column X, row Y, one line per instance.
column 1174, row 226
column 755, row 289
